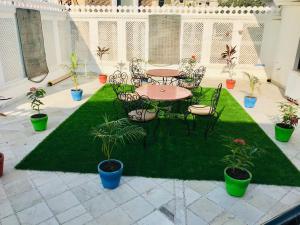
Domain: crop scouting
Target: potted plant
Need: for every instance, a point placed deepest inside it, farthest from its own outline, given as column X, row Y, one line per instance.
column 38, row 120
column 229, row 56
column 112, row 134
column 236, row 174
column 100, row 53
column 289, row 120
column 76, row 92
column 1, row 163
column 250, row 100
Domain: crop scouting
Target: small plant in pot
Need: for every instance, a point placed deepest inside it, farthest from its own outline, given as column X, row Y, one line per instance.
column 76, row 92
column 236, row 174
column 229, row 56
column 250, row 100
column 38, row 120
column 112, row 134
column 100, row 53
column 1, row 163
column 289, row 120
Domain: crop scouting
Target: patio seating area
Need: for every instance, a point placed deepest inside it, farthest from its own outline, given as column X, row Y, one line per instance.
column 59, row 197
column 139, row 113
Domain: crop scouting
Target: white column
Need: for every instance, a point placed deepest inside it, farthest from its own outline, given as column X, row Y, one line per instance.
column 2, row 81
column 94, row 40
column 237, row 37
column 147, row 40
column 122, row 41
column 206, row 41
column 57, row 42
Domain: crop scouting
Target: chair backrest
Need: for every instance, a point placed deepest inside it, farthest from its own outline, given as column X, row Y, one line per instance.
column 137, row 107
column 118, row 80
column 186, row 66
column 198, row 75
column 215, row 99
column 136, row 67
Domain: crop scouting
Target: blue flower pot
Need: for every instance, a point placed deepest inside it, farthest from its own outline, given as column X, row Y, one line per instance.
column 249, row 102
column 110, row 180
column 76, row 94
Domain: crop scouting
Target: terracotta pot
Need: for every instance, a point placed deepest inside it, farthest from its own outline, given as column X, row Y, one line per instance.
column 102, row 78
column 230, row 83
column 1, row 164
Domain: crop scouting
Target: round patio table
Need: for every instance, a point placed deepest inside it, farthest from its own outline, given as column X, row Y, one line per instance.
column 163, row 92
column 164, row 73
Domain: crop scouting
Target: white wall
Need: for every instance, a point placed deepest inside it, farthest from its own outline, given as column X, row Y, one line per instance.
column 287, row 45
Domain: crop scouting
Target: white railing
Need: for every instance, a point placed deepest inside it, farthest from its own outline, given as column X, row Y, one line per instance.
column 236, row 11
column 32, row 4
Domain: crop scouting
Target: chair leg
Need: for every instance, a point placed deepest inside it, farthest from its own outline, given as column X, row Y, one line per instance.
column 156, row 127
column 186, row 114
column 194, row 122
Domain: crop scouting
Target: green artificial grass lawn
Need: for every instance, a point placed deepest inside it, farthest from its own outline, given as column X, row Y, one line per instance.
column 171, row 153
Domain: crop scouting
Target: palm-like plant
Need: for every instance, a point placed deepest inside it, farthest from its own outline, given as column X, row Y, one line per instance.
column 72, row 69
column 253, row 82
column 120, row 131
column 229, row 56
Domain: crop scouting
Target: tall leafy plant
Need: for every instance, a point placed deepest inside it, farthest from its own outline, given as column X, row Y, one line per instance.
column 289, row 114
column 117, row 132
column 253, row 83
column 229, row 56
column 34, row 95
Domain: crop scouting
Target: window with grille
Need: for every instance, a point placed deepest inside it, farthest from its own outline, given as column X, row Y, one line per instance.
column 108, row 37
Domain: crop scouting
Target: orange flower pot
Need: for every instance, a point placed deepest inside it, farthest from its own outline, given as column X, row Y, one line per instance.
column 230, row 83
column 102, row 78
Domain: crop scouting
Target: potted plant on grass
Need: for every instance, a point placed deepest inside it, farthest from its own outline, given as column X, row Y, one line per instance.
column 100, row 53
column 1, row 163
column 289, row 120
column 113, row 133
column 76, row 92
column 250, row 100
column 236, row 174
column 229, row 56
column 38, row 120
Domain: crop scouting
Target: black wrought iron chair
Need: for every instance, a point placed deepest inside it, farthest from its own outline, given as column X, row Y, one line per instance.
column 196, row 109
column 186, row 68
column 140, row 109
column 118, row 80
column 138, row 76
column 194, row 80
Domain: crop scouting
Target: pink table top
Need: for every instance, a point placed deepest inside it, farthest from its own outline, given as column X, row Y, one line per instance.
column 163, row 92
column 163, row 73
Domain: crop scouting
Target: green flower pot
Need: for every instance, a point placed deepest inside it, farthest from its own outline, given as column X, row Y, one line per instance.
column 283, row 134
column 39, row 121
column 235, row 187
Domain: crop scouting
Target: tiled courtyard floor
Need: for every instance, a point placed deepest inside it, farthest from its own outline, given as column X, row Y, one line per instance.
column 32, row 197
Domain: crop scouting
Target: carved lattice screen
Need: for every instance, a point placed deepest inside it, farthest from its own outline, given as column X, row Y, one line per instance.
column 80, row 39
column 108, row 37
column 164, row 39
column 135, row 39
column 252, row 36
column 9, row 50
column 222, row 35
column 192, row 40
